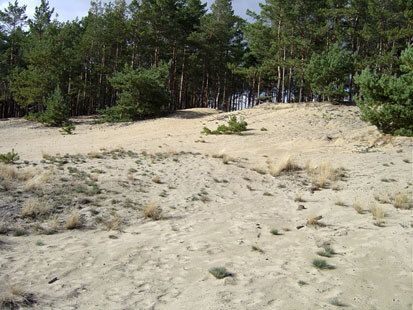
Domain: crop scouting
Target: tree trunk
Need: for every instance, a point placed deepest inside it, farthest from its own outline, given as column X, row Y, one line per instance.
column 181, row 84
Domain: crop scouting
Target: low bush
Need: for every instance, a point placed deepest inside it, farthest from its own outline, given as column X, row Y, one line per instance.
column 234, row 127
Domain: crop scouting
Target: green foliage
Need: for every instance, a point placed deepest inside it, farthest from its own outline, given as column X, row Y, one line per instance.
column 328, row 252
column 322, row 264
column 329, row 72
column 220, row 272
column 9, row 157
column 68, row 129
column 57, row 110
column 233, row 127
column 142, row 93
column 387, row 101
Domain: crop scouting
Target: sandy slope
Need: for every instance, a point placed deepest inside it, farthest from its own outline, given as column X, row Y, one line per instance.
column 214, row 213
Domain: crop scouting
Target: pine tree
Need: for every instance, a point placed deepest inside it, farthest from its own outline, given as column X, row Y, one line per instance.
column 387, row 101
column 57, row 112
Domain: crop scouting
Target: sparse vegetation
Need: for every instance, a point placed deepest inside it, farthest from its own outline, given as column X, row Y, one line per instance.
column 402, row 200
column 286, row 164
column 156, row 180
column 322, row 264
column 340, row 203
column 233, row 127
column 275, row 232
column 73, row 221
column 298, row 198
column 327, row 252
column 357, row 206
column 314, row 221
column 257, row 249
column 336, row 302
column 67, row 130
column 9, row 157
column 34, row 209
column 152, row 211
column 378, row 214
column 15, row 297
column 220, row 272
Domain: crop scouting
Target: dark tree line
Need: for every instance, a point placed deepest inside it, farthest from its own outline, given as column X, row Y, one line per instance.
column 121, row 54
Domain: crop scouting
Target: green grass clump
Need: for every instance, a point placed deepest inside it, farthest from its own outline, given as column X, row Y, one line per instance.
column 275, row 232
column 67, row 129
column 220, row 272
column 9, row 157
column 328, row 252
column 336, row 302
column 322, row 264
column 234, row 127
column 256, row 249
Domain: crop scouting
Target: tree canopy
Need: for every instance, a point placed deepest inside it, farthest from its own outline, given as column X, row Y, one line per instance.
column 290, row 51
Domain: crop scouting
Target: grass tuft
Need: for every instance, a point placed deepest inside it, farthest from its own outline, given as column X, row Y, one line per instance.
column 327, row 252
column 357, row 206
column 402, row 201
column 336, row 302
column 378, row 215
column 73, row 221
column 14, row 297
column 322, row 264
column 34, row 209
column 220, row 272
column 286, row 164
column 275, row 232
column 152, row 211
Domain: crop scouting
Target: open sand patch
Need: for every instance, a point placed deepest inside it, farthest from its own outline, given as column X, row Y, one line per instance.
column 221, row 207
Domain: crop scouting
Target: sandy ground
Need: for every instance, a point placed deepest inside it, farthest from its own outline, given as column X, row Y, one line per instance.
column 219, row 204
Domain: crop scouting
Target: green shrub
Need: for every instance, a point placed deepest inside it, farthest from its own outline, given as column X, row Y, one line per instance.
column 233, row 127
column 329, row 72
column 9, row 157
column 386, row 101
column 142, row 93
column 68, row 129
column 220, row 272
column 57, row 110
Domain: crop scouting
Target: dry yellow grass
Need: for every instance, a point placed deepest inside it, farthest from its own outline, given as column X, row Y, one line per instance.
column 53, row 224
column 33, row 208
column 357, row 206
column 226, row 159
column 402, row 200
column 7, row 184
column 378, row 214
column 15, row 297
column 95, row 155
column 156, row 180
column 340, row 202
column 73, row 221
column 152, row 211
column 314, row 220
column 46, row 155
column 38, row 181
column 7, row 172
column 114, row 222
column 26, row 173
column 286, row 164
column 324, row 174
column 381, row 197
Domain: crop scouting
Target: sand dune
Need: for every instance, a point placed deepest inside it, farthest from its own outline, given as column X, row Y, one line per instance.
column 219, row 204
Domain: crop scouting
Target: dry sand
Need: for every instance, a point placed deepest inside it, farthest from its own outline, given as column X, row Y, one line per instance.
column 216, row 211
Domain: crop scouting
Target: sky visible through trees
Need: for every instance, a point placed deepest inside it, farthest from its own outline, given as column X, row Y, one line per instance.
column 69, row 10
column 121, row 53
